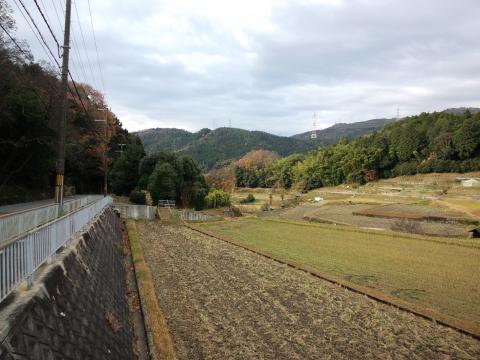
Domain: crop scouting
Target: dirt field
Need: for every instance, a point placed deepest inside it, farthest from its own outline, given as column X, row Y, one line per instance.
column 348, row 214
column 223, row 302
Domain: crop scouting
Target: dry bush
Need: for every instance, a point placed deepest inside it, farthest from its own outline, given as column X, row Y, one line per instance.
column 409, row 226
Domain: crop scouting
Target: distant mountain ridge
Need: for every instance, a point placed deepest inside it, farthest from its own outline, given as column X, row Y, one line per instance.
column 334, row 133
column 213, row 148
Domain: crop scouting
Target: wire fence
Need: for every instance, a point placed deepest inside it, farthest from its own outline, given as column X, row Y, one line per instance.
column 20, row 258
column 12, row 226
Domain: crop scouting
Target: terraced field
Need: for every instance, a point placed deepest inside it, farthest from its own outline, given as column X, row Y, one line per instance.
column 223, row 302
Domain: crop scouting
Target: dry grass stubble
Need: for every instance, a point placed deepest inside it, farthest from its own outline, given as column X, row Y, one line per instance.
column 223, row 302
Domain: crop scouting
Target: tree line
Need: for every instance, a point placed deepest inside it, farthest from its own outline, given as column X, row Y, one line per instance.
column 429, row 142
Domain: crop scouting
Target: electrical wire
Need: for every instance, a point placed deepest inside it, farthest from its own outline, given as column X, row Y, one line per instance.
column 14, row 41
column 94, row 83
column 96, row 48
column 39, row 32
column 48, row 26
column 36, row 36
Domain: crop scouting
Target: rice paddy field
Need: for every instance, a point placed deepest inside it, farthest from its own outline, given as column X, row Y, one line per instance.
column 441, row 274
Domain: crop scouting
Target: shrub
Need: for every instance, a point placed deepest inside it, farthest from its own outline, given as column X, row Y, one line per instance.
column 217, row 198
column 137, row 197
column 265, row 206
column 249, row 199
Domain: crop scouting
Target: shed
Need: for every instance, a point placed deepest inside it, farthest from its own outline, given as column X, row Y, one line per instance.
column 474, row 233
column 470, row 182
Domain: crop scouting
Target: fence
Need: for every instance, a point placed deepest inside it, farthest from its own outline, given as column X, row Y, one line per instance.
column 166, row 203
column 20, row 258
column 188, row 215
column 12, row 226
column 136, row 211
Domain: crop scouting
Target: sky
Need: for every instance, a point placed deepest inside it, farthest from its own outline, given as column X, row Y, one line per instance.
column 270, row 64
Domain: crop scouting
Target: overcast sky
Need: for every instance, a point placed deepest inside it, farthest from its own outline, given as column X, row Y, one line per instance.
column 268, row 65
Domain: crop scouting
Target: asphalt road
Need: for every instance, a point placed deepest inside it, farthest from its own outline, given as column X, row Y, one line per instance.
column 13, row 208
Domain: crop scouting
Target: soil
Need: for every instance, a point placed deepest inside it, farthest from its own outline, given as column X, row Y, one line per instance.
column 224, row 302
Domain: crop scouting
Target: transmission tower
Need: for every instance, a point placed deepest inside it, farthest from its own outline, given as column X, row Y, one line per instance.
column 314, row 127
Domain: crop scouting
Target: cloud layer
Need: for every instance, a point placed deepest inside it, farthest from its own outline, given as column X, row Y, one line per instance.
column 268, row 65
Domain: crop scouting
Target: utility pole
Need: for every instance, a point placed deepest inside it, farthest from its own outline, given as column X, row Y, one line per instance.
column 105, row 189
column 59, row 181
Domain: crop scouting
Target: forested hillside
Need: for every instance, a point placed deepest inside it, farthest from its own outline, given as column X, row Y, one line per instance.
column 210, row 148
column 29, row 116
column 213, row 148
column 436, row 142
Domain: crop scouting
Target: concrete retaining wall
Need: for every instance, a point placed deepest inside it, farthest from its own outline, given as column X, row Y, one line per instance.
column 77, row 307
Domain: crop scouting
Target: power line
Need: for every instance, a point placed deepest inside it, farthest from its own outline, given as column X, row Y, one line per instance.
column 48, row 26
column 45, row 46
column 74, row 44
column 96, row 48
column 39, row 32
column 84, row 44
column 78, row 94
column 35, row 34
column 14, row 41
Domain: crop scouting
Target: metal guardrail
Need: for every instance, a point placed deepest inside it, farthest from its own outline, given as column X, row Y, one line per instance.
column 14, row 225
column 136, row 211
column 20, row 258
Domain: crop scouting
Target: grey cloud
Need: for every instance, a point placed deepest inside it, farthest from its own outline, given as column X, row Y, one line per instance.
column 352, row 61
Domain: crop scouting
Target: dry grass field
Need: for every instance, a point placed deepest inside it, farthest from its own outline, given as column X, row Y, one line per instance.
column 223, row 302
column 437, row 273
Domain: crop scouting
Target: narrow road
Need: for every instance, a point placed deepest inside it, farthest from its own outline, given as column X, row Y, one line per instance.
column 13, row 208
column 223, row 302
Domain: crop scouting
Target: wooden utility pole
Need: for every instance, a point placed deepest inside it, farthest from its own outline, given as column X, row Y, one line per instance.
column 105, row 139
column 59, row 181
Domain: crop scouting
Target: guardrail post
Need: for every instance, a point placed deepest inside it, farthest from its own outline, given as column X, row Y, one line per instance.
column 30, row 259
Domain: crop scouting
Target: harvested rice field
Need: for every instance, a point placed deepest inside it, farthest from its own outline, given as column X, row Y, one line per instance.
column 224, row 302
column 432, row 272
column 378, row 217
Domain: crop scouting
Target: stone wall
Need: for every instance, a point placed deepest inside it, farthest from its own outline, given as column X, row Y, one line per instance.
column 77, row 307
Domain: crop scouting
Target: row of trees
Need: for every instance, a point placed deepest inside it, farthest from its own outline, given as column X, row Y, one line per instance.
column 436, row 142
column 164, row 175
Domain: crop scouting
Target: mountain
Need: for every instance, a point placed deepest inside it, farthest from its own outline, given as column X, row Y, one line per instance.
column 210, row 148
column 333, row 134
column 461, row 110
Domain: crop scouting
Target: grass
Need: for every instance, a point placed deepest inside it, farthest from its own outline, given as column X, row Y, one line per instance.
column 436, row 273
column 156, row 324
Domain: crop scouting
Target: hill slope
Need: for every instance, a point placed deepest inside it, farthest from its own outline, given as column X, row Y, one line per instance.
column 210, row 148
column 333, row 134
column 213, row 147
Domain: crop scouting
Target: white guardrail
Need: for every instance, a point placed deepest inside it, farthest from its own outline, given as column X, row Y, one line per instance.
column 12, row 226
column 136, row 211
column 21, row 257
